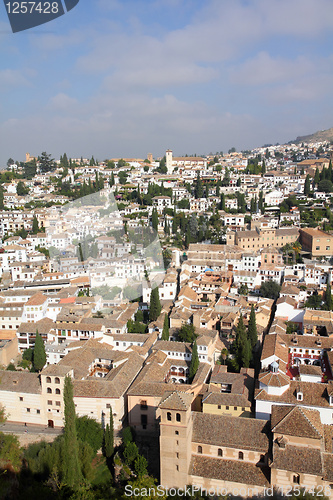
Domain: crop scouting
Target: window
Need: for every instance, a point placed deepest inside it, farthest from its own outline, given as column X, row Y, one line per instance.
column 57, row 380
column 169, row 416
column 177, row 454
column 49, row 390
column 48, row 380
column 177, row 468
column 143, row 405
column 57, row 391
column 58, row 403
column 38, row 412
column 21, row 399
column 219, row 407
column 219, row 453
column 28, row 410
column 199, row 449
column 49, row 402
column 144, row 421
column 178, row 417
column 235, row 408
column 296, row 479
column 227, row 407
column 241, row 455
column 177, row 433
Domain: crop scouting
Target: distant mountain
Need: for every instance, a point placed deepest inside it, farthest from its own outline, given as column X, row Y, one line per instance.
column 320, row 136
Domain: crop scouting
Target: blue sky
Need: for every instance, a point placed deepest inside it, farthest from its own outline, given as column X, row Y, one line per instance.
column 124, row 78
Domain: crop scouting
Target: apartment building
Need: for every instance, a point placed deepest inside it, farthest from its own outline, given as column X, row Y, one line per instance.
column 316, row 242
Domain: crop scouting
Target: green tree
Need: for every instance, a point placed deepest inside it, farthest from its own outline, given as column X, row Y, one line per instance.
column 72, row 469
column 307, row 185
column 241, row 345
column 154, row 219
column 89, row 431
column 155, row 305
column 187, row 333
column 21, row 190
column 252, row 333
column 328, row 296
column 109, row 437
column 46, row 163
column 198, row 190
column 35, row 227
column 325, row 186
column 39, row 358
column 130, row 453
column 165, row 332
column 140, row 466
column 127, row 435
column 194, row 365
column 270, row 289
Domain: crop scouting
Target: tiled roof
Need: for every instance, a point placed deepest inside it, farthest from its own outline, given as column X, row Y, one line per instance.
column 37, row 300
column 274, row 379
column 233, row 432
column 313, row 394
column 176, row 401
column 20, row 382
column 297, row 459
column 228, row 470
column 297, row 421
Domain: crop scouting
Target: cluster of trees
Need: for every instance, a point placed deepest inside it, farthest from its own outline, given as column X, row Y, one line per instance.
column 244, row 343
column 316, row 301
column 323, row 180
column 36, row 356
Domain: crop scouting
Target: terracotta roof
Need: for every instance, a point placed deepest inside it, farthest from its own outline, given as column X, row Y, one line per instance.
column 228, row 470
column 232, row 432
column 20, row 382
column 37, row 300
column 313, row 394
column 176, row 401
column 274, row 379
column 297, row 421
column 297, row 459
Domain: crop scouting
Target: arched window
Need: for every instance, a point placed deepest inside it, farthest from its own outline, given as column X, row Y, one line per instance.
column 48, row 380
column 241, row 455
column 57, row 391
column 57, row 380
column 178, row 418
column 199, row 449
column 219, row 453
column 49, row 390
column 169, row 416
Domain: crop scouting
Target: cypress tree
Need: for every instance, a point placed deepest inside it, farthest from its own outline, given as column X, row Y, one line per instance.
column 35, row 227
column 307, row 185
column 328, row 296
column 242, row 346
column 198, row 191
column 252, row 333
column 222, row 202
column 155, row 305
column 72, row 471
column 194, row 365
column 263, row 168
column 39, row 358
column 154, row 219
column 316, row 178
column 165, row 332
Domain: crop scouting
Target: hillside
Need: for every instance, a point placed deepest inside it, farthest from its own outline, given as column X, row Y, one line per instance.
column 321, row 135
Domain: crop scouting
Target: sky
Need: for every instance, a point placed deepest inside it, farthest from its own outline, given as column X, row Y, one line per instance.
column 124, row 78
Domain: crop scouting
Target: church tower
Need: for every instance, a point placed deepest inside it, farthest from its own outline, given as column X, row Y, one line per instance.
column 176, row 425
column 168, row 157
